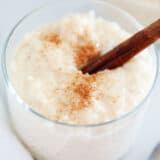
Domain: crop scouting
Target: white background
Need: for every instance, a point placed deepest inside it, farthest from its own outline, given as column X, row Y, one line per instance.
column 149, row 136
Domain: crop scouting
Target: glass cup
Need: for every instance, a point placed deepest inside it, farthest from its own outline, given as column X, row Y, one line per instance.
column 51, row 140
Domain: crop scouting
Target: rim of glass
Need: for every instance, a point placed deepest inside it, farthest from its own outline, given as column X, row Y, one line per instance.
column 28, row 108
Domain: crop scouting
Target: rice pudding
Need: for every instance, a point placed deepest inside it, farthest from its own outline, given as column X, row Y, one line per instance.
column 46, row 72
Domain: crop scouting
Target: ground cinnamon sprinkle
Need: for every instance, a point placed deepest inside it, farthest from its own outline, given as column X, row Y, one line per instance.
column 81, row 90
column 53, row 38
column 85, row 53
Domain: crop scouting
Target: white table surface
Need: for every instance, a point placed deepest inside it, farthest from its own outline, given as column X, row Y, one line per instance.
column 149, row 136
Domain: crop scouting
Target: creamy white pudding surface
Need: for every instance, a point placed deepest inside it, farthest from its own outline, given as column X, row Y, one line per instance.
column 45, row 71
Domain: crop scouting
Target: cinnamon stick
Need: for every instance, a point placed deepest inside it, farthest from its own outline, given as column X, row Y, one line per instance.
column 125, row 50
